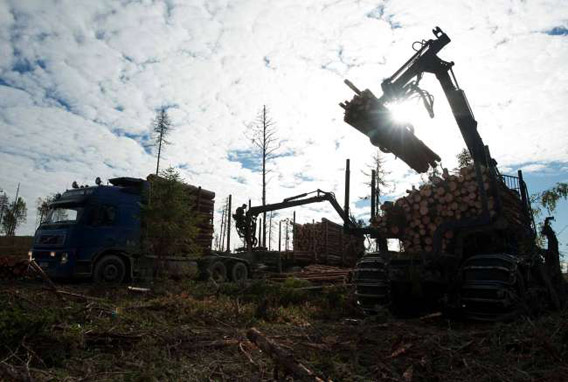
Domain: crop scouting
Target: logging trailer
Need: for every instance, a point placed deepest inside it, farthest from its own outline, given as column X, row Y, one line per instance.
column 253, row 257
column 479, row 260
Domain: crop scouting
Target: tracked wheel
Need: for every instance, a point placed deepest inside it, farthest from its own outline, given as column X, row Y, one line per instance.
column 493, row 288
column 372, row 282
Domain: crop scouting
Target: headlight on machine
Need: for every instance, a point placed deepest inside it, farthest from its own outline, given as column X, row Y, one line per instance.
column 64, row 258
column 52, row 253
column 30, row 255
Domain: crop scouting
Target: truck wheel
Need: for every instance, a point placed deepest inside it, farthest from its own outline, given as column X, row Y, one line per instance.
column 110, row 270
column 218, row 272
column 239, row 272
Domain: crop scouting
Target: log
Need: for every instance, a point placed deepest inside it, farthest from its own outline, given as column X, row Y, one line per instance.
column 283, row 357
column 216, row 344
column 415, row 218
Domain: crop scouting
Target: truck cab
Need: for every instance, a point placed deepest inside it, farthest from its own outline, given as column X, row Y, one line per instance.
column 92, row 231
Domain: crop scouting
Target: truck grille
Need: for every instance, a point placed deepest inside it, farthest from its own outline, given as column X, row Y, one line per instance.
column 50, row 240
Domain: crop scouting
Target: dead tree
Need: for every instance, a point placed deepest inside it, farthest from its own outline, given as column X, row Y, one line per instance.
column 262, row 133
column 377, row 166
column 161, row 127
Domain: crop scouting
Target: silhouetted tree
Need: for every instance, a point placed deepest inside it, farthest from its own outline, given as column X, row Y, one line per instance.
column 464, row 159
column 381, row 177
column 3, row 203
column 14, row 216
column 548, row 199
column 161, row 127
column 42, row 207
column 169, row 219
column 262, row 133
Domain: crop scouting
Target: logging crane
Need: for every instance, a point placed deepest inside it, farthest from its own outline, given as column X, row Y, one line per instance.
column 245, row 222
column 243, row 263
column 492, row 269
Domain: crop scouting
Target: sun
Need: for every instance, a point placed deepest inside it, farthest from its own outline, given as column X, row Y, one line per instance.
column 405, row 111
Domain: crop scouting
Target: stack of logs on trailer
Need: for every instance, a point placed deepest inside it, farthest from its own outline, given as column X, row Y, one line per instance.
column 204, row 205
column 326, row 243
column 415, row 217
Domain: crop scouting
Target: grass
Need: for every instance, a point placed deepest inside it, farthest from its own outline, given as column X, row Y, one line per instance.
column 173, row 333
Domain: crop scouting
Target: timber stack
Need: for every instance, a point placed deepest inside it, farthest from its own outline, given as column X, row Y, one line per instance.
column 415, row 218
column 13, row 267
column 317, row 274
column 203, row 205
column 326, row 243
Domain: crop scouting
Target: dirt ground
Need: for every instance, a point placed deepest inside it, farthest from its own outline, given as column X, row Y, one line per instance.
column 196, row 331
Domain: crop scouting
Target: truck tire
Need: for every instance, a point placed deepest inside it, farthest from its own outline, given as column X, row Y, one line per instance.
column 239, row 272
column 110, row 269
column 218, row 272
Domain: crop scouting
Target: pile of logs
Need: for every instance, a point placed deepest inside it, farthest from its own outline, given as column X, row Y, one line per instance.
column 204, row 206
column 317, row 274
column 326, row 243
column 12, row 267
column 415, row 217
column 15, row 245
column 369, row 115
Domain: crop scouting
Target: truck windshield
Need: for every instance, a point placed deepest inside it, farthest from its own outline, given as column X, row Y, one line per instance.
column 63, row 215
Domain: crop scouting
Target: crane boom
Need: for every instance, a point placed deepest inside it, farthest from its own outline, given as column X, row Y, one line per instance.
column 246, row 222
column 374, row 119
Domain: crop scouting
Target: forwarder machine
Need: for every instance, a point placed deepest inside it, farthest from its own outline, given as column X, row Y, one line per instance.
column 494, row 269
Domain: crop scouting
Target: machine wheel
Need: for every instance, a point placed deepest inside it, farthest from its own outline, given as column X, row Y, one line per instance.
column 110, row 269
column 239, row 272
column 493, row 288
column 372, row 282
column 218, row 272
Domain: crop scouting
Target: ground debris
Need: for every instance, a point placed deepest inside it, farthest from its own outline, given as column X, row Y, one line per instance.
column 283, row 357
column 184, row 332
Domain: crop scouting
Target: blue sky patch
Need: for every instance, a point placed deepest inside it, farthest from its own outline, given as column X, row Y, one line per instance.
column 557, row 31
column 60, row 100
column 247, row 158
column 303, row 177
column 239, row 179
column 22, row 66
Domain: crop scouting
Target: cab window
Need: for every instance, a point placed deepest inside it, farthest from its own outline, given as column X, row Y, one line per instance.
column 104, row 215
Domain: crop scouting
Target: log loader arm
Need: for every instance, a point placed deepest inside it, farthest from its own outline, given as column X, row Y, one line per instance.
column 371, row 116
column 246, row 222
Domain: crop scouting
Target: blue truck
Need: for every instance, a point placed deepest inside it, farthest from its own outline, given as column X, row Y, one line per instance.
column 97, row 232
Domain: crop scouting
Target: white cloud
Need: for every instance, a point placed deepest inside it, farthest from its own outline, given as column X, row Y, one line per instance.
column 80, row 81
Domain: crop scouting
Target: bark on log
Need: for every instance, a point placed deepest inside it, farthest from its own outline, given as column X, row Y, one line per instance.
column 282, row 356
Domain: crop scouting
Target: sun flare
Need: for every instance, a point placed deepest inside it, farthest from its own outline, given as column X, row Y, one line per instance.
column 405, row 111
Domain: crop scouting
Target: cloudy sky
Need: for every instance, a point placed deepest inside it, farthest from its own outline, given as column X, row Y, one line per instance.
column 80, row 82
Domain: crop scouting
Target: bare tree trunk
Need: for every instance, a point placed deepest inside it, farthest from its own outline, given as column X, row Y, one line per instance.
column 159, row 152
column 222, row 241
column 270, row 232
column 264, row 153
column 262, row 135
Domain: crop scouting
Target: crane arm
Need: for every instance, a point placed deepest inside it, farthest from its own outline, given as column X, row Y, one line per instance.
column 246, row 222
column 374, row 119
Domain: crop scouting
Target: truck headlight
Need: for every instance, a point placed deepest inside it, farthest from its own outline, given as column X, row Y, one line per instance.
column 64, row 258
column 52, row 253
